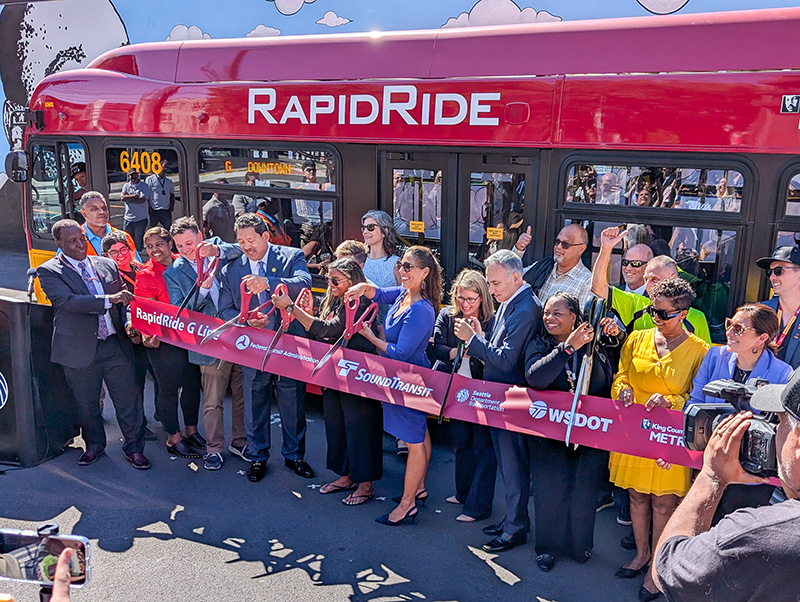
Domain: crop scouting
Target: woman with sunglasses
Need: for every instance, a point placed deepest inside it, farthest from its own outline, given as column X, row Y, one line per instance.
column 656, row 369
column 565, row 480
column 749, row 353
column 408, row 326
column 353, row 424
column 175, row 376
column 476, row 463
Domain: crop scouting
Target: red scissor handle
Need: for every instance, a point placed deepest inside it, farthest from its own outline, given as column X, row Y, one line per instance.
column 366, row 319
column 286, row 317
column 245, row 313
column 205, row 267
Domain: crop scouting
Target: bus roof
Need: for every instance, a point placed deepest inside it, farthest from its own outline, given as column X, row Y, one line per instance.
column 726, row 41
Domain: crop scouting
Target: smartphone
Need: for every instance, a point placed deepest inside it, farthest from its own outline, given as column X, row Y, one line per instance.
column 28, row 556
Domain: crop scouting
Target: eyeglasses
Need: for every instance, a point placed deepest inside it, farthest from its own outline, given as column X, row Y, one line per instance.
column 335, row 280
column 737, row 328
column 467, row 300
column 123, row 251
column 780, row 270
column 566, row 245
column 369, row 227
column 662, row 314
column 634, row 263
column 406, row 266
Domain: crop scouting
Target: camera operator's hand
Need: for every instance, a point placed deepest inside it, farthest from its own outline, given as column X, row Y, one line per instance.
column 61, row 579
column 721, row 456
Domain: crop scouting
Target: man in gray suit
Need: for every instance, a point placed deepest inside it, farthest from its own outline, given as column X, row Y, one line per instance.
column 502, row 352
column 262, row 268
column 90, row 342
column 215, row 375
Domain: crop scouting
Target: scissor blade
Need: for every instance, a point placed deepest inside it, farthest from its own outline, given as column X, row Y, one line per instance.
column 328, row 355
column 459, row 358
column 219, row 330
column 193, row 291
column 277, row 336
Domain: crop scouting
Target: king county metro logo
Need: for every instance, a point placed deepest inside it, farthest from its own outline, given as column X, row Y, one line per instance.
column 462, row 395
column 3, row 390
column 538, row 409
column 346, row 367
column 243, row 342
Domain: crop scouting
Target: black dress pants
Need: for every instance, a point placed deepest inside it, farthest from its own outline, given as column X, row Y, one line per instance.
column 354, row 431
column 113, row 366
column 476, row 467
column 565, row 484
column 178, row 382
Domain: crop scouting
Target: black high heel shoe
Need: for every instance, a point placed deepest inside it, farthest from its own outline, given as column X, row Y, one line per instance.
column 626, row 573
column 409, row 517
column 645, row 595
column 420, row 498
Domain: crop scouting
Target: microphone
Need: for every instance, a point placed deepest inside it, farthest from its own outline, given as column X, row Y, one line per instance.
column 31, row 280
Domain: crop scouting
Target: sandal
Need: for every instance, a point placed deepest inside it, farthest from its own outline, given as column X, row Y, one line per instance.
column 357, row 500
column 331, row 488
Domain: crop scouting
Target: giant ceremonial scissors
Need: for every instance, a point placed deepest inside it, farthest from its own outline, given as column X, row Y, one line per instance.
column 245, row 313
column 206, row 266
column 286, row 317
column 352, row 327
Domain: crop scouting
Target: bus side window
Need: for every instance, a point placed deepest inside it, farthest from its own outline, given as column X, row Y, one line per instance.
column 46, row 205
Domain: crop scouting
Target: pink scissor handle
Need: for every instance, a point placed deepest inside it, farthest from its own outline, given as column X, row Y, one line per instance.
column 366, row 319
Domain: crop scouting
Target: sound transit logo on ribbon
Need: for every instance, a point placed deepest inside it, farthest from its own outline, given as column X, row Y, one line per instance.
column 346, row 367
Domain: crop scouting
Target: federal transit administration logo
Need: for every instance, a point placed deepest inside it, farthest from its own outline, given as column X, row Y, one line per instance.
column 243, row 342
column 538, row 409
column 462, row 395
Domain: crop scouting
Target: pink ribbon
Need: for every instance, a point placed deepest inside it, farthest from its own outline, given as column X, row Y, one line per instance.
column 599, row 422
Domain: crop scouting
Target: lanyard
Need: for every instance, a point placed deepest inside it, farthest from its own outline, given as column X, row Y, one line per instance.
column 572, row 375
column 779, row 339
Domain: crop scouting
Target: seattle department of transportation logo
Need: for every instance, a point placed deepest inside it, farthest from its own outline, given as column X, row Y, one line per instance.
column 462, row 395
column 243, row 342
column 3, row 391
column 538, row 409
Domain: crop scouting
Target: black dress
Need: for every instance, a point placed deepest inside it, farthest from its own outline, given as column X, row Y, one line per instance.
column 353, row 424
column 476, row 462
column 565, row 480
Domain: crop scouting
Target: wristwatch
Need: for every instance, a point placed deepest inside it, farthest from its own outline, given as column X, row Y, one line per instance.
column 290, row 308
column 569, row 349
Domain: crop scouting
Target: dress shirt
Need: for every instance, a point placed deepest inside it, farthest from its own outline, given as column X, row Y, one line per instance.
column 639, row 290
column 204, row 292
column 95, row 287
column 577, row 281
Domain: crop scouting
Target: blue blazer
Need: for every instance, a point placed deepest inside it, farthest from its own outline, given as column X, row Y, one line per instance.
column 793, row 346
column 720, row 363
column 503, row 352
column 284, row 264
column 180, row 278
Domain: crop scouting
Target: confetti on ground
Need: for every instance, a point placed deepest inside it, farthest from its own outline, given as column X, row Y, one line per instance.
column 438, row 511
column 157, row 528
column 297, row 494
column 193, row 466
column 314, row 486
column 305, row 559
column 241, row 472
column 502, row 573
column 381, row 498
column 178, row 508
column 234, row 542
column 199, row 530
column 173, row 457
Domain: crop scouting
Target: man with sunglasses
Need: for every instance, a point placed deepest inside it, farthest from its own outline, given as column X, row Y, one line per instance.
column 633, row 309
column 783, row 271
column 564, row 272
column 634, row 263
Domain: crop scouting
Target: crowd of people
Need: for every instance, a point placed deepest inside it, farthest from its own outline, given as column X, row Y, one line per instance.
column 515, row 324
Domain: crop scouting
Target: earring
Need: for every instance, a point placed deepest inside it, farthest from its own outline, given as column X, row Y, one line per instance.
column 755, row 351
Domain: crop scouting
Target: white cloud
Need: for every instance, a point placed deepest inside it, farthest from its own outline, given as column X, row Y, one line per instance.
column 663, row 7
column 289, row 7
column 181, row 32
column 499, row 12
column 262, row 31
column 331, row 19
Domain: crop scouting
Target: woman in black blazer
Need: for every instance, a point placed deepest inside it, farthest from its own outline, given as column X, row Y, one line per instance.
column 476, row 463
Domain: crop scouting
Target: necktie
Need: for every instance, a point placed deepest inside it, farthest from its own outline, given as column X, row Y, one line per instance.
column 91, row 284
column 262, row 271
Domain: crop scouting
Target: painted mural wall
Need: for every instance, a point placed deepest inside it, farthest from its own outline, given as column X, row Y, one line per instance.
column 40, row 38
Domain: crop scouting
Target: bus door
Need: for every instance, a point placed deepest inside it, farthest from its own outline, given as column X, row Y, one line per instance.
column 59, row 176
column 495, row 204
column 420, row 189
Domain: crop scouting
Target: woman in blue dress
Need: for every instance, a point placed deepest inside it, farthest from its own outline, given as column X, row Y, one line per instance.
column 408, row 327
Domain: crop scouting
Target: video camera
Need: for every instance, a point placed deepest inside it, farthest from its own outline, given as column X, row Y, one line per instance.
column 757, row 453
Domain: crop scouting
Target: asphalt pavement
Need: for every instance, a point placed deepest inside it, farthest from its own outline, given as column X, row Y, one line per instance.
column 179, row 532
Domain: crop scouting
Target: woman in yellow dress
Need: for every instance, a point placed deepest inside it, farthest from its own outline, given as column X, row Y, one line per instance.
column 656, row 369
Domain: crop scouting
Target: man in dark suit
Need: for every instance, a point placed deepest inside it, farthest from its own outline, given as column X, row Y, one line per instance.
column 502, row 352
column 215, row 375
column 262, row 268
column 90, row 342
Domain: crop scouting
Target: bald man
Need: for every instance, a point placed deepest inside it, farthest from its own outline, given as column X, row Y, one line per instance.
column 634, row 263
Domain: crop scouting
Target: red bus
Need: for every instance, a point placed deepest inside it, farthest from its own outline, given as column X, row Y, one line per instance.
column 684, row 126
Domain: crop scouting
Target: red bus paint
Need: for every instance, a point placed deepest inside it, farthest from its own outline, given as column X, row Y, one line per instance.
column 512, row 86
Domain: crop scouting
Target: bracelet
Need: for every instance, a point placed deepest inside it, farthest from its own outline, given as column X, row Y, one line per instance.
column 569, row 349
